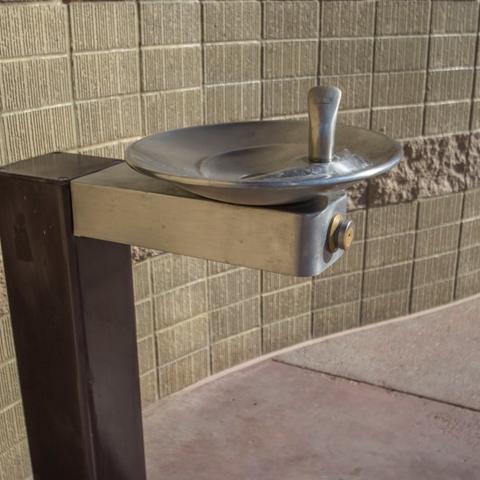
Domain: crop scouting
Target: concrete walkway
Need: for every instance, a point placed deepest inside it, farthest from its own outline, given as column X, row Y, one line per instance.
column 396, row 401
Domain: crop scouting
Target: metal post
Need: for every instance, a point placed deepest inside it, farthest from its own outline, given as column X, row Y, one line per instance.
column 72, row 309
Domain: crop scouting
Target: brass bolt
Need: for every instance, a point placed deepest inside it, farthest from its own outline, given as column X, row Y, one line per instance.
column 340, row 233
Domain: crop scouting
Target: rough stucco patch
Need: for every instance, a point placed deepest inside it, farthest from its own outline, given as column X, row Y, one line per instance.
column 431, row 166
column 472, row 170
column 139, row 253
column 357, row 196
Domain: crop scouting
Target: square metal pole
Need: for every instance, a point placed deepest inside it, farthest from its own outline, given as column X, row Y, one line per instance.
column 73, row 318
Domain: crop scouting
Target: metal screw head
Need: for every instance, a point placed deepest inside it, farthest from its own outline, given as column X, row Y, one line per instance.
column 340, row 233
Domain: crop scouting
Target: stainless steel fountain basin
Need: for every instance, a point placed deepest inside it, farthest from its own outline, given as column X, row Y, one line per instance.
column 246, row 163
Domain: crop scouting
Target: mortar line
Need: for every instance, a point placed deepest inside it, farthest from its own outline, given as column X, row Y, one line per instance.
column 376, row 385
column 417, row 223
column 203, row 88
column 71, row 71
column 140, row 68
column 262, row 79
column 319, row 40
column 459, row 243
column 427, row 73
column 368, row 186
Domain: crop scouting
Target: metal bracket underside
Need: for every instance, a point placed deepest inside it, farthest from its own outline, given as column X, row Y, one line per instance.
column 120, row 205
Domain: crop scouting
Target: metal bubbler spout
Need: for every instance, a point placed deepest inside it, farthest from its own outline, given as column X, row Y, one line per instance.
column 323, row 103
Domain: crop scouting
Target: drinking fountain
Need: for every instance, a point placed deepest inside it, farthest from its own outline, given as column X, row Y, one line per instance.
column 262, row 194
column 280, row 183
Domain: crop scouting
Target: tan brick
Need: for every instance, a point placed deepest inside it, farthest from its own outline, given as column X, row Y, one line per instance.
column 286, row 303
column 454, row 16
column 16, row 462
column 34, row 82
column 437, row 240
column 46, row 26
column 432, row 295
column 296, row 58
column 476, row 87
column 470, row 233
column 471, row 207
column 9, row 386
column 387, row 279
column 233, row 103
column 170, row 271
column 218, row 267
column 385, row 307
column 467, row 285
column 433, row 212
column 103, row 25
column 7, row 349
column 141, row 280
column 144, row 318
column 286, row 97
column 335, row 290
column 351, row 261
column 452, row 51
column 105, row 74
column 449, row 85
column 290, row 19
column 286, row 332
column 172, row 109
column 432, row 269
column 146, row 354
column 163, row 23
column 183, row 372
column 228, row 21
column 148, row 388
column 401, row 54
column 235, row 350
column 447, row 117
column 358, row 218
column 232, row 287
column 35, row 132
column 108, row 119
column 401, row 17
column 346, row 56
column 398, row 88
column 391, row 219
column 468, row 260
column 355, row 89
column 180, row 304
column 399, row 122
column 171, row 68
column 3, row 161
column 182, row 339
column 109, row 150
column 336, row 318
column 12, row 426
column 276, row 281
column 476, row 115
column 232, row 62
column 355, row 118
column 348, row 19
column 394, row 249
column 234, row 319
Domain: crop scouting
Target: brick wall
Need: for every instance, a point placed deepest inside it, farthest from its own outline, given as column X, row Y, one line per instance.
column 93, row 76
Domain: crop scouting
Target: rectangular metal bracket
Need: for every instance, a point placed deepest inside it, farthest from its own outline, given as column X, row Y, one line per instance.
column 120, row 205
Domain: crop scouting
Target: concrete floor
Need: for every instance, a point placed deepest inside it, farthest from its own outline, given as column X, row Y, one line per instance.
column 327, row 411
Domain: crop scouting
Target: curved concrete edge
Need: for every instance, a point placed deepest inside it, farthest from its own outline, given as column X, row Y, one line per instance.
column 433, row 354
column 316, row 345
